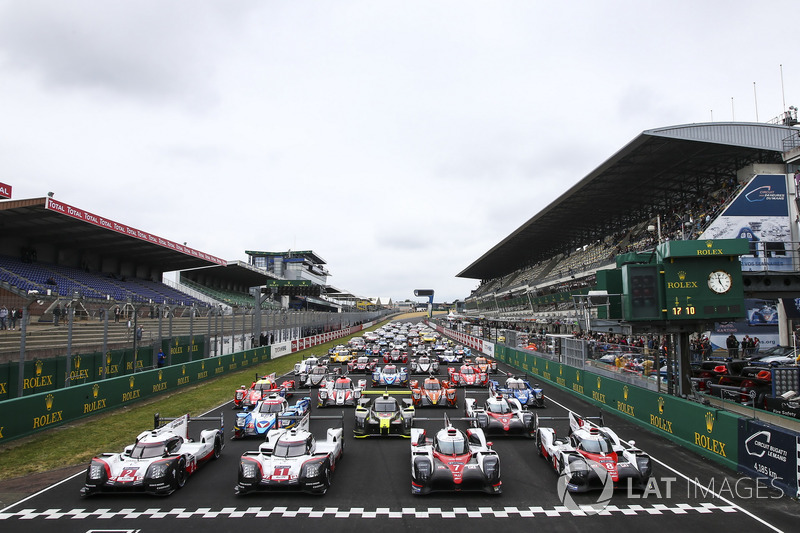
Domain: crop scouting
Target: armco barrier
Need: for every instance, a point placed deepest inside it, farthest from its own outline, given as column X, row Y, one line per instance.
column 710, row 432
column 26, row 415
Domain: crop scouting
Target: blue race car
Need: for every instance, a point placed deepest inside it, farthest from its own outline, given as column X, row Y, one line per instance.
column 390, row 376
column 520, row 389
column 272, row 412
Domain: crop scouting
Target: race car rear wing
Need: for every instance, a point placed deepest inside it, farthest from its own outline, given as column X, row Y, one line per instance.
column 180, row 425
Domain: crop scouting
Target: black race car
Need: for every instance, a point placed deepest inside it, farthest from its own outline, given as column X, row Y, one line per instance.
column 384, row 415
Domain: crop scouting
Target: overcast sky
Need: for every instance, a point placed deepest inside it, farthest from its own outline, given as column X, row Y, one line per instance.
column 398, row 140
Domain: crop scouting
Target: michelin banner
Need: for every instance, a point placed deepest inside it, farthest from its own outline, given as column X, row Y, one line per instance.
column 760, row 214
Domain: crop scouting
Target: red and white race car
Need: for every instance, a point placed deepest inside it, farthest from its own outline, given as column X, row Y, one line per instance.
column 593, row 457
column 260, row 388
column 340, row 391
column 158, row 463
column 395, row 356
column 468, row 376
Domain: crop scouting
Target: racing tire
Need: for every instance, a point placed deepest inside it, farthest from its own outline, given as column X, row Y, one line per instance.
column 326, row 480
column 217, row 448
column 538, row 442
column 180, row 474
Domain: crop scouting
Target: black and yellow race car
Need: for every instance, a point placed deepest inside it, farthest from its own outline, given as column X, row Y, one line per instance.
column 383, row 416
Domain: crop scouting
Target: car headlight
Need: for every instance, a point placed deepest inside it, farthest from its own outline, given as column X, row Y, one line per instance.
column 248, row 470
column 240, row 422
column 96, row 471
column 157, row 470
column 313, row 469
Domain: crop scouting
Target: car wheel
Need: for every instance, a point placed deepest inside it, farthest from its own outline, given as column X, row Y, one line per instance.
column 556, row 464
column 180, row 474
column 217, row 448
column 539, row 446
column 326, row 479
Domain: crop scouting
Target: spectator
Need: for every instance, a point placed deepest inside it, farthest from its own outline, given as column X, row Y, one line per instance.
column 56, row 314
column 732, row 343
column 117, row 314
column 3, row 317
column 12, row 318
column 162, row 359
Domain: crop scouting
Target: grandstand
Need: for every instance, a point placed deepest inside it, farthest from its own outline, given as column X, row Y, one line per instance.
column 669, row 183
column 52, row 253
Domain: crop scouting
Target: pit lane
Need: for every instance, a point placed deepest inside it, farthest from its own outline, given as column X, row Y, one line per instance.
column 373, row 480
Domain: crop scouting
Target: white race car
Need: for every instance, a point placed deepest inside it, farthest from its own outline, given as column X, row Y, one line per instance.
column 424, row 365
column 159, row 462
column 593, row 456
column 291, row 460
column 453, row 461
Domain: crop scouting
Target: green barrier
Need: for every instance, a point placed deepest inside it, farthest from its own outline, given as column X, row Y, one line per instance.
column 44, row 409
column 710, row 432
column 184, row 349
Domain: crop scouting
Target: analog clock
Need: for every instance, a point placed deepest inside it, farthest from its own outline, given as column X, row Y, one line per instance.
column 720, row 281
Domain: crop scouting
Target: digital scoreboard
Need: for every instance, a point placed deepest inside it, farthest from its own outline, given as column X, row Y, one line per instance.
column 687, row 280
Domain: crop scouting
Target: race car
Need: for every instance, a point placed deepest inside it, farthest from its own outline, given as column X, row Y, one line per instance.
column 395, row 355
column 340, row 391
column 519, row 389
column 461, row 351
column 467, row 376
column 362, row 365
column 485, row 365
column 317, row 377
column 291, row 460
column 159, row 462
column 341, row 355
column 590, row 454
column 500, row 416
column 433, row 392
column 306, row 365
column 390, row 376
column 261, row 387
column 447, row 356
column 384, row 416
column 270, row 413
column 424, row 365
column 453, row 461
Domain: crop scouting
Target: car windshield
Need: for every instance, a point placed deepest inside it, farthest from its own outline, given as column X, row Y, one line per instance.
column 423, row 360
column 385, row 406
column 264, row 386
column 319, row 370
column 595, row 446
column 147, row 450
column 289, row 449
column 389, row 370
column 432, row 385
column 499, row 408
column 457, row 446
column 267, row 407
column 515, row 385
column 467, row 370
column 342, row 385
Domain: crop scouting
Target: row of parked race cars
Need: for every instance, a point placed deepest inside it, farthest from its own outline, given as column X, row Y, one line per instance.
column 291, row 458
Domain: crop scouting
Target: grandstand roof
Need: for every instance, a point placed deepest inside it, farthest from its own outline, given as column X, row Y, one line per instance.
column 235, row 272
column 658, row 169
column 43, row 220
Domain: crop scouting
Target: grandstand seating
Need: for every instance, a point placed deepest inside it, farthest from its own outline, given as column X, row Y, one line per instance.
column 65, row 281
